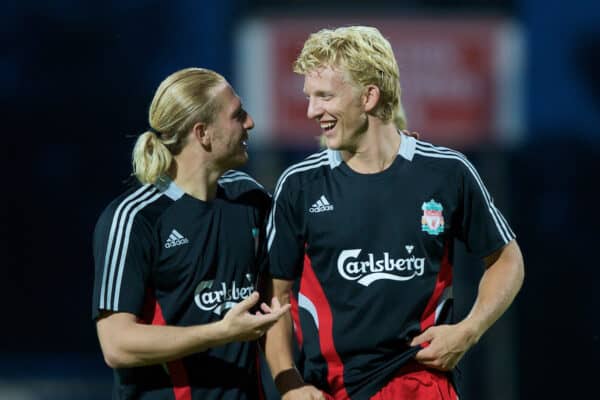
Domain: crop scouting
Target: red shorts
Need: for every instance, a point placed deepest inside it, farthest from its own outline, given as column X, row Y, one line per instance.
column 415, row 382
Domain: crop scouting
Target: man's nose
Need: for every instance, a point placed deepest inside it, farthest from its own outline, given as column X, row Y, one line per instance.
column 249, row 122
column 314, row 109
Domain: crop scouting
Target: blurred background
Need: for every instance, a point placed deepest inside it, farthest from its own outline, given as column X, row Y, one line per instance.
column 514, row 84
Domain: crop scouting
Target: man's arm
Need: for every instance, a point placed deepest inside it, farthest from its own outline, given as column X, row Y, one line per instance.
column 279, row 353
column 500, row 283
column 498, row 287
column 128, row 343
column 278, row 343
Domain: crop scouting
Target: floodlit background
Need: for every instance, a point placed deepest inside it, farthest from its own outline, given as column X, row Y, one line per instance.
column 514, row 84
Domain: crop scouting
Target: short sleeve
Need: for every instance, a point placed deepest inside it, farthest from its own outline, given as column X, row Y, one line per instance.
column 122, row 257
column 482, row 228
column 284, row 237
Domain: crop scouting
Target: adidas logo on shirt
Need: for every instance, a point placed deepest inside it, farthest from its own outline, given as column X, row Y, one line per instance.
column 175, row 239
column 321, row 205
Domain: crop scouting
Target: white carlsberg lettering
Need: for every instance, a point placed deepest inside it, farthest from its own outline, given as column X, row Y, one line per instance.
column 368, row 269
column 223, row 298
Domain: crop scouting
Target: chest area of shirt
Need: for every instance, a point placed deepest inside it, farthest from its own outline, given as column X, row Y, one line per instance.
column 380, row 213
column 225, row 236
column 378, row 237
column 207, row 259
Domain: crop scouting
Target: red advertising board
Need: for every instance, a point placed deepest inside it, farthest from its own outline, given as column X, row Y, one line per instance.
column 450, row 73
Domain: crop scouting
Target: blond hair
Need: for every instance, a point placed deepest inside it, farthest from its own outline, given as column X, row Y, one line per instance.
column 400, row 118
column 181, row 100
column 364, row 54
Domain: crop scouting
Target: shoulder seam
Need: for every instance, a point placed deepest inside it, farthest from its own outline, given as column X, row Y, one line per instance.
column 312, row 162
column 233, row 176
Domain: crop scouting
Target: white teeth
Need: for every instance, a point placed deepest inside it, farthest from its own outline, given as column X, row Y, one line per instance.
column 328, row 125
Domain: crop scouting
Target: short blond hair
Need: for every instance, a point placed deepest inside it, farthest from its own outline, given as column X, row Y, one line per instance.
column 400, row 118
column 181, row 100
column 364, row 54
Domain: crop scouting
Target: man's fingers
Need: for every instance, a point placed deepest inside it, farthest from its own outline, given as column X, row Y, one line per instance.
column 273, row 316
column 248, row 302
column 276, row 314
column 430, row 361
column 275, row 306
column 275, row 303
column 424, row 355
column 424, row 337
column 281, row 310
column 265, row 308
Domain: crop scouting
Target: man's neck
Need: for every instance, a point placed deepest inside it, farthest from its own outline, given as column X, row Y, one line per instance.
column 196, row 177
column 376, row 151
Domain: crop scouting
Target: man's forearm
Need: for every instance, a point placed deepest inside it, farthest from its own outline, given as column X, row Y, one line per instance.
column 278, row 346
column 127, row 343
column 498, row 287
column 278, row 351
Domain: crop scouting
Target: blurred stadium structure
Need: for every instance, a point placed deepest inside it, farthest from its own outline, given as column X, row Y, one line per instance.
column 513, row 84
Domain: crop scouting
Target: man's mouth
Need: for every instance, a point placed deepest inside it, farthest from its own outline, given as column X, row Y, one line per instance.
column 327, row 126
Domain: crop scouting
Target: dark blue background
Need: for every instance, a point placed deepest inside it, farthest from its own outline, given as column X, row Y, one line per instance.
column 76, row 80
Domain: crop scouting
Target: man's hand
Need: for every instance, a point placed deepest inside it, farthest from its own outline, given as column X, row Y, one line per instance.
column 445, row 346
column 307, row 392
column 245, row 326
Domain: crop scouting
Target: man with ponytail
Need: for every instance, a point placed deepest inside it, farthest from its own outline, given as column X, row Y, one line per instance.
column 177, row 257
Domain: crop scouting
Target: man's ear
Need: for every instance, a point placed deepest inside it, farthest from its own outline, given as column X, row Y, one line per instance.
column 201, row 134
column 370, row 97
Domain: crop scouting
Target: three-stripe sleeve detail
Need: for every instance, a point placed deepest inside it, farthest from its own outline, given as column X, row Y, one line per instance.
column 118, row 242
column 315, row 161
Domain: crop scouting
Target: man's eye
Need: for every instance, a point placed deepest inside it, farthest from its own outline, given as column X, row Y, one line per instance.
column 240, row 115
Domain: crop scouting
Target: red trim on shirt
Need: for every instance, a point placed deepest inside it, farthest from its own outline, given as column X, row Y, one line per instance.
column 177, row 372
column 311, row 288
column 444, row 280
column 296, row 319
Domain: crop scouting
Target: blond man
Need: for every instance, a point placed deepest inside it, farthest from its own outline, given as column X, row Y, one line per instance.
column 366, row 227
